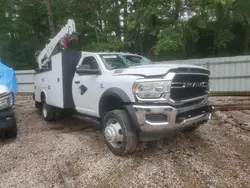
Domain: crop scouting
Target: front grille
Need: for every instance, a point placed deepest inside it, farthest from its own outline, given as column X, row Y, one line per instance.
column 187, row 86
column 191, row 78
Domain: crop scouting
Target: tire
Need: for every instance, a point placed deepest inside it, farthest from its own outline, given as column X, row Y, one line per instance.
column 37, row 105
column 48, row 111
column 12, row 133
column 117, row 121
column 58, row 113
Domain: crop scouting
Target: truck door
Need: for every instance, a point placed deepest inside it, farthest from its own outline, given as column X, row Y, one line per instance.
column 86, row 86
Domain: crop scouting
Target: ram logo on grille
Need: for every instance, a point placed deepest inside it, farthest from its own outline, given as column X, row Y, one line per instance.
column 195, row 84
column 189, row 84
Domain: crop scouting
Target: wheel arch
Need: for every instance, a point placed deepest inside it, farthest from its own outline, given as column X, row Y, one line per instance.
column 43, row 95
column 112, row 98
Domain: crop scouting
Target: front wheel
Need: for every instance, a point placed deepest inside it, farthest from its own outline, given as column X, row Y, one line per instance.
column 119, row 135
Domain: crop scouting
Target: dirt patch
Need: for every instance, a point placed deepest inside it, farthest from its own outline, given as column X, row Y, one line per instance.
column 216, row 155
column 230, row 100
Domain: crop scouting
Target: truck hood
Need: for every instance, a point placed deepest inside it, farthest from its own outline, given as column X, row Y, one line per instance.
column 152, row 70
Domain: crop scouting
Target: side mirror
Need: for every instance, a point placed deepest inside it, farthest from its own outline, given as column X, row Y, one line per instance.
column 87, row 70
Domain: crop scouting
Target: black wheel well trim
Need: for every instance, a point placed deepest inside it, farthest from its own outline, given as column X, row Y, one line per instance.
column 131, row 113
column 43, row 95
column 127, row 104
column 117, row 93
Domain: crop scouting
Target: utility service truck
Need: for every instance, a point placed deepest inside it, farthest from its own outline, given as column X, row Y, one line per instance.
column 134, row 98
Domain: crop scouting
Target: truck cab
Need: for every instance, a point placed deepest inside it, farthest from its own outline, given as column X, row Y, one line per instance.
column 134, row 98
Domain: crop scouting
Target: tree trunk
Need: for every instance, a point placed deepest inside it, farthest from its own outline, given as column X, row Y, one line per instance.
column 177, row 9
column 50, row 18
column 151, row 38
column 96, row 32
column 140, row 43
column 118, row 26
column 100, row 19
column 125, row 16
column 246, row 34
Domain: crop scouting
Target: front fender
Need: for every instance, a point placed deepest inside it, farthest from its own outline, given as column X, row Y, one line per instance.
column 124, row 100
column 118, row 93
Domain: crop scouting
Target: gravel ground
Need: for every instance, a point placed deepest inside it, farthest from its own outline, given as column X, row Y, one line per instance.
column 230, row 100
column 216, row 155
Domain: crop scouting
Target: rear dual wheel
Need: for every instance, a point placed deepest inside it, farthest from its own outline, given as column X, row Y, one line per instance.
column 49, row 112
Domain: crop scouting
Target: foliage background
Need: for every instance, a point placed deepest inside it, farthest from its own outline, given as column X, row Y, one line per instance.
column 158, row 29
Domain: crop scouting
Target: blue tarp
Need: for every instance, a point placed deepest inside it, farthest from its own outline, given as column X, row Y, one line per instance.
column 8, row 78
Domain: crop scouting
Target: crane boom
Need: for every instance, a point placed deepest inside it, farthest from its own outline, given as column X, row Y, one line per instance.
column 67, row 32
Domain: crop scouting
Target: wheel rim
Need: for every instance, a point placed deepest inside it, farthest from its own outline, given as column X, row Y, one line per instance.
column 113, row 133
column 44, row 110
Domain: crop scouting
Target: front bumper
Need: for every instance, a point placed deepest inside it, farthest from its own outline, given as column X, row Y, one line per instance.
column 166, row 119
column 7, row 119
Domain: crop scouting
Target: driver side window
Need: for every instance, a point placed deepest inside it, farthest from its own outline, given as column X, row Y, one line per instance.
column 90, row 62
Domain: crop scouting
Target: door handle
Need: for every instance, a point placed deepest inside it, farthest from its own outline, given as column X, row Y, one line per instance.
column 77, row 82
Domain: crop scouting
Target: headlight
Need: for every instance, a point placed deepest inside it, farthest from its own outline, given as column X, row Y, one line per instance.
column 151, row 89
column 6, row 101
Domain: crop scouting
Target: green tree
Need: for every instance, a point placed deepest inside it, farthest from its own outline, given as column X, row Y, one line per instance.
column 160, row 29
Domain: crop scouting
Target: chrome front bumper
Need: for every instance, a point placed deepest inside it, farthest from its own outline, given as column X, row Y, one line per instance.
column 171, row 124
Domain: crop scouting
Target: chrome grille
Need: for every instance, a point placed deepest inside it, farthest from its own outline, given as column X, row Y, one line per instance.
column 189, row 85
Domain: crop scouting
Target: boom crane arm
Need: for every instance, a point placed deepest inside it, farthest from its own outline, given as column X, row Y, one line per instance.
column 67, row 32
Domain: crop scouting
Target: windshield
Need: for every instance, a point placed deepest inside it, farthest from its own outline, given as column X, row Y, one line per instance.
column 117, row 61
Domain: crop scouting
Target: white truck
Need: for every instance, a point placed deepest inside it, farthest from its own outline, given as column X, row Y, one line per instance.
column 134, row 99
